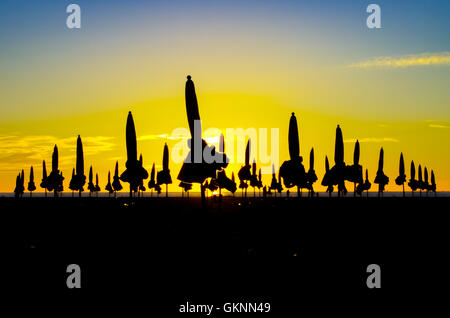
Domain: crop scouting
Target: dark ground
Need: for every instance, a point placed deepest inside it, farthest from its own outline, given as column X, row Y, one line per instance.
column 290, row 252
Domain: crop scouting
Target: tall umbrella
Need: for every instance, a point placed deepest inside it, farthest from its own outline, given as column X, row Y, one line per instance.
column 134, row 173
column 292, row 171
column 80, row 178
column 195, row 169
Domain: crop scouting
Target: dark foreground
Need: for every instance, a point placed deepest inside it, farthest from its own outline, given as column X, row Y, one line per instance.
column 284, row 251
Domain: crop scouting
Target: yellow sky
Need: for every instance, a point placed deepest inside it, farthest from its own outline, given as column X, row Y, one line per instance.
column 103, row 134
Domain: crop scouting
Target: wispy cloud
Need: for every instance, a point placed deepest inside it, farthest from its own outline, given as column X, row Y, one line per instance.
column 372, row 139
column 424, row 59
column 438, row 126
column 160, row 136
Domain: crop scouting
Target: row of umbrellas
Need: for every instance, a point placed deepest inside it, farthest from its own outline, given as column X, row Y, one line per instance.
column 212, row 175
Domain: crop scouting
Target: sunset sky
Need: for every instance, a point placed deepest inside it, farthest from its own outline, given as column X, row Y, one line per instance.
column 253, row 64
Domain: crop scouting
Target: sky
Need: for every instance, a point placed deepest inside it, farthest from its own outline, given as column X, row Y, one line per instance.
column 253, row 64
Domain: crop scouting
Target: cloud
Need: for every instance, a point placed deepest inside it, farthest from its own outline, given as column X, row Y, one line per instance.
column 424, row 59
column 372, row 139
column 161, row 136
column 19, row 151
column 438, row 126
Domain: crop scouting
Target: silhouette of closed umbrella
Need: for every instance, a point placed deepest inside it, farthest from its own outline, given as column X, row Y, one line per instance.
column 401, row 179
column 420, row 180
column 73, row 183
column 413, row 183
column 339, row 172
column 141, row 186
column 381, row 179
column 195, row 169
column 109, row 187
column 134, row 172
column 292, row 171
column 244, row 173
column 311, row 176
column 91, row 185
column 163, row 176
column 279, row 185
column 152, row 182
column 79, row 179
column 260, row 184
column 117, row 186
column 20, row 185
column 276, row 184
column 97, row 186
column 433, row 183
column 221, row 180
column 364, row 186
column 426, row 185
column 254, row 178
column 31, row 185
column 44, row 181
column 355, row 170
column 55, row 179
column 326, row 180
column 17, row 187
